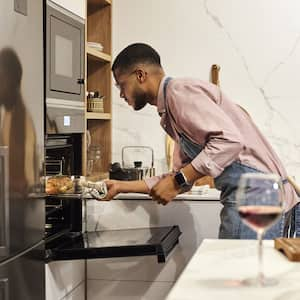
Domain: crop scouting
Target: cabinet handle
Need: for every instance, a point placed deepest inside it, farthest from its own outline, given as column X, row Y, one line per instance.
column 80, row 80
column 4, row 201
column 4, row 292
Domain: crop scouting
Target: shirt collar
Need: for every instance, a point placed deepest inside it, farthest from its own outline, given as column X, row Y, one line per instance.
column 161, row 108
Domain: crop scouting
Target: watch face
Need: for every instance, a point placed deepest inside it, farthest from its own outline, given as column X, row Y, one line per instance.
column 180, row 179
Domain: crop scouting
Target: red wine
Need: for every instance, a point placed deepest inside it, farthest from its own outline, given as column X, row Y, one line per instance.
column 259, row 217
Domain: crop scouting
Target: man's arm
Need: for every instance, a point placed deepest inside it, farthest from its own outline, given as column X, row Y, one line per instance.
column 118, row 186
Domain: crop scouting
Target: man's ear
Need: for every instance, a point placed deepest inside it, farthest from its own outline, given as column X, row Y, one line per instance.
column 141, row 75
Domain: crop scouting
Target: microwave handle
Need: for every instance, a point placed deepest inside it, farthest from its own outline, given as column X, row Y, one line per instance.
column 4, row 288
column 80, row 80
column 4, row 198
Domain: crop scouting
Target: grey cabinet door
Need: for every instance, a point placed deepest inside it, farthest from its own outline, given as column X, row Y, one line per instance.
column 4, row 202
column 65, row 56
column 23, row 277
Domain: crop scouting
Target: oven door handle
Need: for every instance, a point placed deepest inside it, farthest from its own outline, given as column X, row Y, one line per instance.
column 4, row 201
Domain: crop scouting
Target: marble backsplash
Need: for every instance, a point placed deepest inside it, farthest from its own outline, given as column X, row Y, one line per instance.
column 257, row 45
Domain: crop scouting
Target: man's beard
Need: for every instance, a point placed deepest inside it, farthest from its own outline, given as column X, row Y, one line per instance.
column 140, row 100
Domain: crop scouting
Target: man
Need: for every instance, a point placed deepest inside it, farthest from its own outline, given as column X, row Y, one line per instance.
column 213, row 136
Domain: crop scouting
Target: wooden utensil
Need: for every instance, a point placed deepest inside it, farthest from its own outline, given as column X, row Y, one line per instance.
column 289, row 247
column 215, row 70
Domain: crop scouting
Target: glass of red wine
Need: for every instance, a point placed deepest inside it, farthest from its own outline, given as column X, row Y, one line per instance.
column 260, row 204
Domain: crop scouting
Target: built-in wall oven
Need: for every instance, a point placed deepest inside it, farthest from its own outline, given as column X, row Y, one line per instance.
column 65, row 230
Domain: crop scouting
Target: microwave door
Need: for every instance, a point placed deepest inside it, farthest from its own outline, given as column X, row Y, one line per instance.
column 158, row 241
column 64, row 49
column 64, row 54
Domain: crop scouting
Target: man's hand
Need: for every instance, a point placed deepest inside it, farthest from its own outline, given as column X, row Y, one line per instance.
column 112, row 189
column 165, row 190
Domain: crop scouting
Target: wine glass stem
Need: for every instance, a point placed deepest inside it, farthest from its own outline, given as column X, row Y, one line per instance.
column 260, row 258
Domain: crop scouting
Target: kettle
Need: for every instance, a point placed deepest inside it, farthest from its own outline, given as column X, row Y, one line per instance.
column 135, row 172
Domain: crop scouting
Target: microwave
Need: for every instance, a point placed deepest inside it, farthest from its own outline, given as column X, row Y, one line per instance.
column 65, row 57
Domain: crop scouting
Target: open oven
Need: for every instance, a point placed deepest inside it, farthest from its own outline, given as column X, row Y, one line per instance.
column 65, row 230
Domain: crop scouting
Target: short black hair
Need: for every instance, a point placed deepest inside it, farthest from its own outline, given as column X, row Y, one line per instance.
column 134, row 54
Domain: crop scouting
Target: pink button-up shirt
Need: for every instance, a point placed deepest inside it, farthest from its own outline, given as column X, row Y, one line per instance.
column 206, row 116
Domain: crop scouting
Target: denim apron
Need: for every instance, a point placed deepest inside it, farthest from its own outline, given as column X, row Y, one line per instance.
column 294, row 220
column 231, row 226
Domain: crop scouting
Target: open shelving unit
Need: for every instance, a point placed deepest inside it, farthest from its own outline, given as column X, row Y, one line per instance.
column 98, row 78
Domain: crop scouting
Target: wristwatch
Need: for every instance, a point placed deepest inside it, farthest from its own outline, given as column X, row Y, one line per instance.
column 181, row 180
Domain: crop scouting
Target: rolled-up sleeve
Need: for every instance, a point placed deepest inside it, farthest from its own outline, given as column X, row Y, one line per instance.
column 197, row 113
column 152, row 181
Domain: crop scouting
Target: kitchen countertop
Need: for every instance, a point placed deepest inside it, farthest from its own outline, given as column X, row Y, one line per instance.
column 218, row 266
column 210, row 195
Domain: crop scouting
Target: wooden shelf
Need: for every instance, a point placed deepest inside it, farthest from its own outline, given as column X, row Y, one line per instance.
column 98, row 78
column 99, row 2
column 98, row 116
column 97, row 55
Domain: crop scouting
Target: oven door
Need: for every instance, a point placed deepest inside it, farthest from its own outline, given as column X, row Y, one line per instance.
column 157, row 241
column 68, row 213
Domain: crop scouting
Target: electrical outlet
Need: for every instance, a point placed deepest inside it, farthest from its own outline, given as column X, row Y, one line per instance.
column 20, row 6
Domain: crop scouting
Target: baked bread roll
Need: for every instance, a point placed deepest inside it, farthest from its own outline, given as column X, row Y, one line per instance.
column 59, row 184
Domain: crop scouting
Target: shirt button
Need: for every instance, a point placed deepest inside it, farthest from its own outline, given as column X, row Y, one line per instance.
column 208, row 165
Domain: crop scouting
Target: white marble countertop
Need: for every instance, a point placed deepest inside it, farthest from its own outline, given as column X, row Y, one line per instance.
column 218, row 266
column 211, row 194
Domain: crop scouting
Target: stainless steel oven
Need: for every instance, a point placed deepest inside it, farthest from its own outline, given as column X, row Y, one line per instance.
column 66, row 216
column 65, row 87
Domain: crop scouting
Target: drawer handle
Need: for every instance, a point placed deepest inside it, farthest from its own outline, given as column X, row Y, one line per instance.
column 4, row 292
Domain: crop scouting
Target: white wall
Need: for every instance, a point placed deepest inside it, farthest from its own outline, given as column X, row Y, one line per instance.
column 256, row 43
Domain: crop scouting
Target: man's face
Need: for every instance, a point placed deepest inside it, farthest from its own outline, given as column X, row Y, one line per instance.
column 130, row 89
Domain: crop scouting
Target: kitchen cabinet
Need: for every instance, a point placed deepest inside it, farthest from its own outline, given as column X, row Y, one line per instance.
column 141, row 277
column 97, row 141
column 65, row 280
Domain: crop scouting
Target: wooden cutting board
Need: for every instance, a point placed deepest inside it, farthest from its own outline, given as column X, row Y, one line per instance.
column 290, row 247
